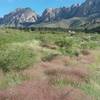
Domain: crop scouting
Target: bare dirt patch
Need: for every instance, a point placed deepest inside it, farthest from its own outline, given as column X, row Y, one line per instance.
column 85, row 59
column 70, row 75
column 42, row 91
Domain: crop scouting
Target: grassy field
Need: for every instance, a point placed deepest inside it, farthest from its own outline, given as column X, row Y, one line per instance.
column 21, row 50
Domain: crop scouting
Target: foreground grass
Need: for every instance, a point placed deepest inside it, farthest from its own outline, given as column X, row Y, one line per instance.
column 22, row 49
column 92, row 86
column 11, row 79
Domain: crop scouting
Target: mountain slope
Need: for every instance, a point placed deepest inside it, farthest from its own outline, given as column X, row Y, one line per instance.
column 20, row 15
column 89, row 7
column 76, row 16
column 56, row 14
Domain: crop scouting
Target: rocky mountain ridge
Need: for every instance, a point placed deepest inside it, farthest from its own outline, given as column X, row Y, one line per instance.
column 20, row 15
column 26, row 17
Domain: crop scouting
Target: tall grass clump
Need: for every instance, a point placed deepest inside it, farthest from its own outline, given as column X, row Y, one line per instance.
column 12, row 78
column 16, row 58
column 67, row 45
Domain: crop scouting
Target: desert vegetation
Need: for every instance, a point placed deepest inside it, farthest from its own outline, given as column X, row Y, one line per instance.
column 67, row 65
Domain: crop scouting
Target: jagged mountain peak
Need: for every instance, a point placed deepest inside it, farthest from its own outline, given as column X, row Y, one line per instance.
column 51, row 14
column 89, row 7
column 20, row 15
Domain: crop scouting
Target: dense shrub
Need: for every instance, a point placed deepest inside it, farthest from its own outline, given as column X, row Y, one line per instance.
column 65, row 42
column 67, row 46
column 16, row 58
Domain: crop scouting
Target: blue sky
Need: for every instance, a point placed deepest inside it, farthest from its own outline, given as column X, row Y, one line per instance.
column 38, row 5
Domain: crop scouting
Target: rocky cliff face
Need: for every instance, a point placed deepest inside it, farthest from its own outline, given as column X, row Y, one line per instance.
column 1, row 20
column 59, row 13
column 50, row 14
column 89, row 7
column 20, row 16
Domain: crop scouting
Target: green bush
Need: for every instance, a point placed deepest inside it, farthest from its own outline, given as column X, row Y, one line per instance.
column 66, row 42
column 16, row 58
column 11, row 79
column 67, row 46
